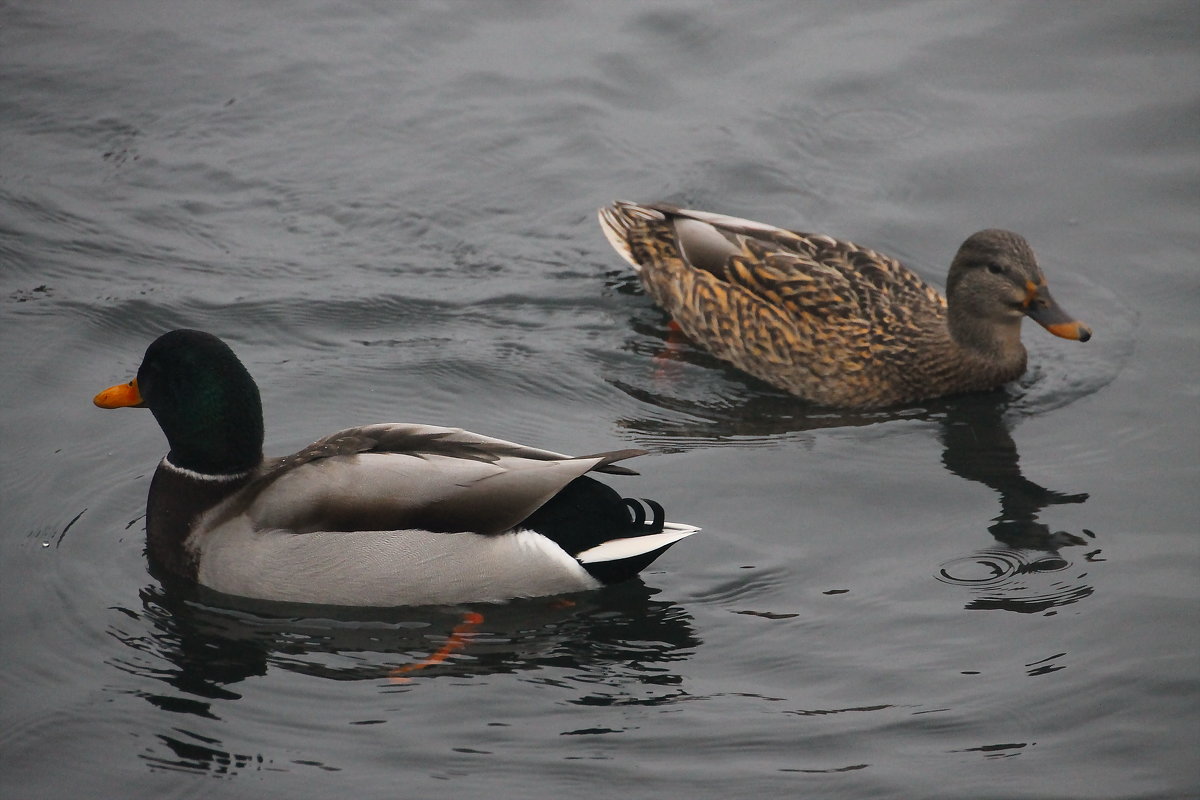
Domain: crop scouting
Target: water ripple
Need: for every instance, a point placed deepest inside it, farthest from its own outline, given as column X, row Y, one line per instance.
column 1027, row 582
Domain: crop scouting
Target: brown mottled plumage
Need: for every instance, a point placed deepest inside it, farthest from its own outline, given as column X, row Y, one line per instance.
column 832, row 322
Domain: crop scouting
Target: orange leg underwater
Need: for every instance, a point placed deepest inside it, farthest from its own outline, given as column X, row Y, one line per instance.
column 457, row 640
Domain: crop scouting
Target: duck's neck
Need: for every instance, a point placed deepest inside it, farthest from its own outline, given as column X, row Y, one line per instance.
column 178, row 497
column 991, row 350
column 220, row 446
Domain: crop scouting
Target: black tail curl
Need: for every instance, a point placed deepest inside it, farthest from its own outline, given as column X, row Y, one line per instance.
column 587, row 513
column 638, row 511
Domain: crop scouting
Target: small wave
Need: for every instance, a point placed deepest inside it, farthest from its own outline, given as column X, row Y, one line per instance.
column 1015, row 580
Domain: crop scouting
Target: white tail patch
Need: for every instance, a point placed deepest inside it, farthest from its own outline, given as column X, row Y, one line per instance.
column 617, row 549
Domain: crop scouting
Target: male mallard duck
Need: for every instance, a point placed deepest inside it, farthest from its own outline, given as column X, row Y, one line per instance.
column 382, row 515
column 832, row 322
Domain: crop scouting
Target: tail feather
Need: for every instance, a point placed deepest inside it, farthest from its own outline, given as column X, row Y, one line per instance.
column 621, row 559
column 619, row 219
column 610, row 536
column 634, row 546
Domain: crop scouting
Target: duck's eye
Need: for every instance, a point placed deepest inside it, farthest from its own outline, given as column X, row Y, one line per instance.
column 994, row 268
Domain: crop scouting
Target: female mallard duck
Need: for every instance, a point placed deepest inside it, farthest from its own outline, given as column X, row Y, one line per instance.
column 832, row 322
column 382, row 515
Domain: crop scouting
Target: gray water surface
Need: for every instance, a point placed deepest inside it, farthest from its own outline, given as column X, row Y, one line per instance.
column 388, row 211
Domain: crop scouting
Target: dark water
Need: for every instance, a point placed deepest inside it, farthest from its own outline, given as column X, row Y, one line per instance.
column 388, row 210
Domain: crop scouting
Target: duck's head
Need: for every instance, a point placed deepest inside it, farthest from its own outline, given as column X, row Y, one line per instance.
column 203, row 398
column 995, row 280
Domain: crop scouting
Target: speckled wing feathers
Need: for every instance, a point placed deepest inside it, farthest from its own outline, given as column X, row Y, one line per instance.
column 805, row 312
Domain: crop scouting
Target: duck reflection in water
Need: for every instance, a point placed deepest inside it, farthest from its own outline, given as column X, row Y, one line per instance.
column 973, row 429
column 697, row 401
column 979, row 447
column 197, row 646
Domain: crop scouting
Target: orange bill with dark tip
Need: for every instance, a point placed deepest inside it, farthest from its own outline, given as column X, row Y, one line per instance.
column 1041, row 308
column 123, row 395
column 1071, row 330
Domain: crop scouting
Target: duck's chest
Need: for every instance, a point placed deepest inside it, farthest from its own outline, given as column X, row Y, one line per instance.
column 177, row 502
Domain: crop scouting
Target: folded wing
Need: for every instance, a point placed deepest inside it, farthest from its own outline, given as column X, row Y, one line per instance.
column 402, row 477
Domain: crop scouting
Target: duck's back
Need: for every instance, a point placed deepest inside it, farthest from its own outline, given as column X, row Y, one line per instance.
column 823, row 318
